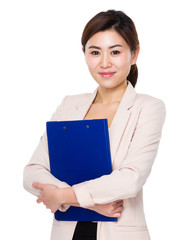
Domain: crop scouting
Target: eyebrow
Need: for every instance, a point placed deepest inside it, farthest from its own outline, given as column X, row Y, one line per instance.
column 116, row 45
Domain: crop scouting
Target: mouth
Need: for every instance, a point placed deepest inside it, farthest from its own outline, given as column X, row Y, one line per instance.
column 106, row 74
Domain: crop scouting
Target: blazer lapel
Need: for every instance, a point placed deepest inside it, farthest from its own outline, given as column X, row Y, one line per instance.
column 120, row 119
column 83, row 106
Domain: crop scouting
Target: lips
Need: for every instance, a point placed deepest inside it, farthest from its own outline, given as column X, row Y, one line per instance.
column 106, row 74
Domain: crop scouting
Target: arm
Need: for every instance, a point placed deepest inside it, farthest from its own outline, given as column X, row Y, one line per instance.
column 53, row 198
column 38, row 169
column 127, row 181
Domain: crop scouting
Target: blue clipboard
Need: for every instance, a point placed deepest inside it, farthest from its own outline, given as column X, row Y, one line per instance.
column 79, row 151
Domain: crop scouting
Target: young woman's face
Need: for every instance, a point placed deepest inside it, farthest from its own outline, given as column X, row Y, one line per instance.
column 109, row 58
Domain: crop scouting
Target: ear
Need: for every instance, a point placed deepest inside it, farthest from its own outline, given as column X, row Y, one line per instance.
column 135, row 55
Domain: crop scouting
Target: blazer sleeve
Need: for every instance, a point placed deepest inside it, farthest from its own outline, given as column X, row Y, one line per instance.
column 38, row 168
column 127, row 181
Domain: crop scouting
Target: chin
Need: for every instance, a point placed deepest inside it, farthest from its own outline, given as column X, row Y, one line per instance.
column 106, row 84
column 109, row 83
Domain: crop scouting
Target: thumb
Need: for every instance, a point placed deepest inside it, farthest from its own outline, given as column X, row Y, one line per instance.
column 38, row 185
column 116, row 215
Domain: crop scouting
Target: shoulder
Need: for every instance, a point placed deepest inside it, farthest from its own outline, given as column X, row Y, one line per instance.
column 146, row 101
column 149, row 108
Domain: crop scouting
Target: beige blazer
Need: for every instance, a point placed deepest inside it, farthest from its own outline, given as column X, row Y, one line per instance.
column 134, row 134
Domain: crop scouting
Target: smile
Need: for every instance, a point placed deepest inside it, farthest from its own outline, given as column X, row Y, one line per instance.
column 106, row 74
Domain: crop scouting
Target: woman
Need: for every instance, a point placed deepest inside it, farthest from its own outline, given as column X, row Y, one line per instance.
column 111, row 47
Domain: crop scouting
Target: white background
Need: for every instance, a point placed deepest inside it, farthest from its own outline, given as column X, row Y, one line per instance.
column 41, row 61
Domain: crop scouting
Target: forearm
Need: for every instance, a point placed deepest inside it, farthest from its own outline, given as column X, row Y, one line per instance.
column 38, row 169
column 109, row 188
column 112, row 209
column 37, row 173
column 54, row 198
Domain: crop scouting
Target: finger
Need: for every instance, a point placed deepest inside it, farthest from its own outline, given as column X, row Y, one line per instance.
column 116, row 215
column 120, row 209
column 38, row 185
column 39, row 200
column 116, row 203
column 119, row 203
column 53, row 210
column 118, row 212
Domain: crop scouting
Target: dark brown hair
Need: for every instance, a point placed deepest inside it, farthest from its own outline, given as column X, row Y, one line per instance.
column 122, row 24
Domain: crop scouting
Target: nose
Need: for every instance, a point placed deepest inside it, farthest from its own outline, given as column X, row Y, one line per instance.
column 105, row 61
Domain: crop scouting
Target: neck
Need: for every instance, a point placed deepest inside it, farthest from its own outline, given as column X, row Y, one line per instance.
column 110, row 95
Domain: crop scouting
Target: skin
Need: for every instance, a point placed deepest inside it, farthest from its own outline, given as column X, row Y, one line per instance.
column 107, row 51
column 109, row 60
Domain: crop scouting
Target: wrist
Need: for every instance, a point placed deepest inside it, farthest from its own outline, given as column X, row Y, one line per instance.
column 68, row 197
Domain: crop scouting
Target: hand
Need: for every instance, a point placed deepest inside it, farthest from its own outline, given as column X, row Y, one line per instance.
column 113, row 209
column 51, row 196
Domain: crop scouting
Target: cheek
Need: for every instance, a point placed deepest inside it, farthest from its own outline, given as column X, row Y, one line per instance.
column 124, row 63
column 91, row 62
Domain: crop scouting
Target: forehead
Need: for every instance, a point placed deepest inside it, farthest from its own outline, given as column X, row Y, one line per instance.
column 106, row 39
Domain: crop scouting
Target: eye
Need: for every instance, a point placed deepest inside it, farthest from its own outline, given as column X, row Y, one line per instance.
column 116, row 52
column 95, row 53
